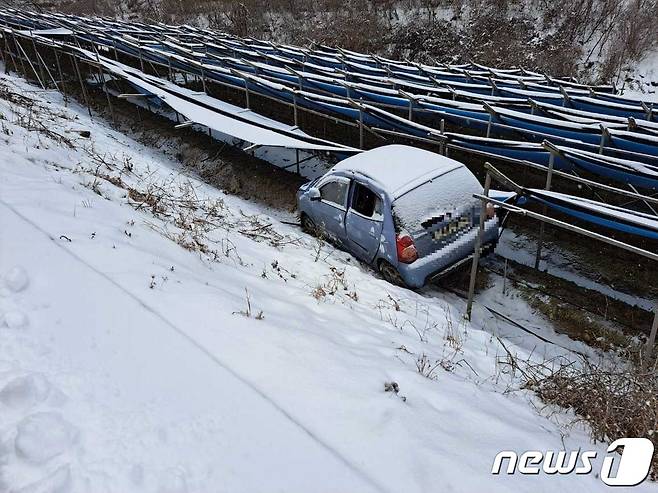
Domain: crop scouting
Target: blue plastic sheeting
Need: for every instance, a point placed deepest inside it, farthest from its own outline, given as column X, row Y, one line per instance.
column 609, row 108
column 607, row 216
column 543, row 97
column 600, row 168
column 644, row 144
column 324, row 70
column 467, row 118
column 534, row 153
column 636, row 173
column 626, row 171
column 613, row 98
column 379, row 98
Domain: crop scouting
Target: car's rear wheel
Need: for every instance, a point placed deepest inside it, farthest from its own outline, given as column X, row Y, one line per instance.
column 308, row 226
column 391, row 274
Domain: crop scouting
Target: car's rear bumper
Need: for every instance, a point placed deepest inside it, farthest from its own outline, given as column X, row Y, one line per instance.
column 486, row 250
column 418, row 273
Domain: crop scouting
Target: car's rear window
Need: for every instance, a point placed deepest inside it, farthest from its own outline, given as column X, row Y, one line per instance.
column 451, row 193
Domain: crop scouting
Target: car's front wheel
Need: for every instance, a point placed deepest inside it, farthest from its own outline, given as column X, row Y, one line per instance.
column 391, row 274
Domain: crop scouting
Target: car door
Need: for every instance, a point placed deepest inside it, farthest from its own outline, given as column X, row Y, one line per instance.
column 364, row 222
column 331, row 208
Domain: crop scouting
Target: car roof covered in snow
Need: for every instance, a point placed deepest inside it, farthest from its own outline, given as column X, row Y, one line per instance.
column 398, row 168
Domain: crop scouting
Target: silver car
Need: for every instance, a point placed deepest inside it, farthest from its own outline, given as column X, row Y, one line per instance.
column 408, row 212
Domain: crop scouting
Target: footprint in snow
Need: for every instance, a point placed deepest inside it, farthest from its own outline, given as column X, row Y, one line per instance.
column 14, row 319
column 173, row 481
column 25, row 391
column 16, row 279
column 59, row 481
column 42, row 436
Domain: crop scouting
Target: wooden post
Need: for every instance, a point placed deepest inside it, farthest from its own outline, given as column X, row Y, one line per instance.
column 604, row 138
column 648, row 110
column 540, row 240
column 297, row 158
column 18, row 54
column 295, row 116
column 505, row 277
column 566, row 100
column 20, row 47
column 442, row 130
column 107, row 93
column 478, row 246
column 36, row 54
column 489, row 125
column 47, row 70
column 141, row 59
column 82, row 84
column 360, row 128
column 11, row 55
column 246, row 94
column 203, row 79
column 652, row 337
column 61, row 76
column 4, row 56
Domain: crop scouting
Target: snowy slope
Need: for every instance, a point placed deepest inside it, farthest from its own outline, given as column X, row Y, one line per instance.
column 130, row 360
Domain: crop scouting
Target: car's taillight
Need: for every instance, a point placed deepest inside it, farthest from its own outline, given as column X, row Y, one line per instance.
column 407, row 252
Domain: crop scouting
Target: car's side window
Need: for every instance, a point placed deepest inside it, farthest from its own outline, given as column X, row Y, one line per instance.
column 366, row 202
column 335, row 192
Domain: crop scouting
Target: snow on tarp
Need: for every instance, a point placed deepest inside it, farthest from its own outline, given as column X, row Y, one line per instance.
column 235, row 121
column 610, row 216
column 552, row 122
column 649, row 139
column 608, row 107
column 640, row 174
column 509, row 150
column 644, row 143
column 498, row 142
column 625, row 164
column 625, row 99
column 578, row 116
column 58, row 31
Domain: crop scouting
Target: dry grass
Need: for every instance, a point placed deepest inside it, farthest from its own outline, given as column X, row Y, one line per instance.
column 615, row 402
column 563, row 37
column 578, row 324
column 334, row 285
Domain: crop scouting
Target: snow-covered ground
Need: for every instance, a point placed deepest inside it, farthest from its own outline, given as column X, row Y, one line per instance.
column 643, row 80
column 159, row 335
column 561, row 264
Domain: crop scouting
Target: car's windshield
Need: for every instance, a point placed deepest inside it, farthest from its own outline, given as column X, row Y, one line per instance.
column 436, row 200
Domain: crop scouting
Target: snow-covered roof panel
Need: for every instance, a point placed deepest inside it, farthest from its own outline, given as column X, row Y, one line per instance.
column 218, row 115
column 398, row 167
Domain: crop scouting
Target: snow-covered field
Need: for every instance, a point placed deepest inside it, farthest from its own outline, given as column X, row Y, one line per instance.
column 159, row 335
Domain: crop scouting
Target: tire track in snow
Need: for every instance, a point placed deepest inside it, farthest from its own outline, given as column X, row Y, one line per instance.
column 262, row 394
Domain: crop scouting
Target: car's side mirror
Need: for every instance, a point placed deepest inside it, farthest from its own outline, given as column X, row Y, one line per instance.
column 314, row 194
